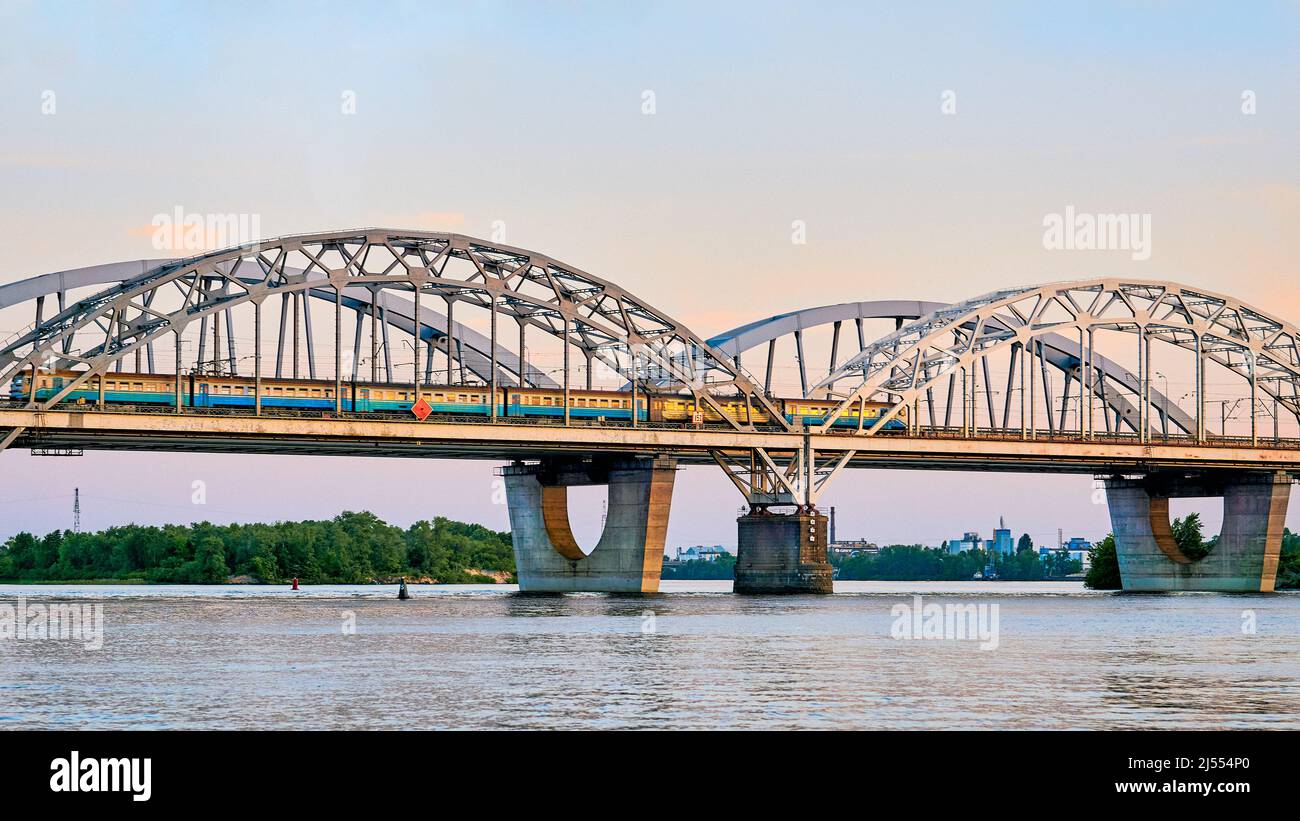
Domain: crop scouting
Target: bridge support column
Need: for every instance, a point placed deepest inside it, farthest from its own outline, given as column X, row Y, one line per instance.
column 782, row 553
column 629, row 556
column 1243, row 561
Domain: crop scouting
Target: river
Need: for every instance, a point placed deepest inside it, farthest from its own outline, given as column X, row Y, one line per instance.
column 1053, row 655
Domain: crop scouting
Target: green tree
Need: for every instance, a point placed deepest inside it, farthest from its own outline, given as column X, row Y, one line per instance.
column 1025, row 543
column 352, row 548
column 1188, row 535
column 1103, row 572
column 209, row 566
column 723, row 567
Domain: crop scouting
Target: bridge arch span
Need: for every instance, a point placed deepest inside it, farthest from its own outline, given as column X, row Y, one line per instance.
column 957, row 342
column 1056, row 351
column 597, row 317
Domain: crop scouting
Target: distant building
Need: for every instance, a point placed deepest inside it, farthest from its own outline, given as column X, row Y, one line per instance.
column 709, row 553
column 848, row 549
column 1077, row 547
column 1001, row 543
column 968, row 541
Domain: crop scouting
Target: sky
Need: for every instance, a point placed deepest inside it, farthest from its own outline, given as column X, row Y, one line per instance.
column 919, row 148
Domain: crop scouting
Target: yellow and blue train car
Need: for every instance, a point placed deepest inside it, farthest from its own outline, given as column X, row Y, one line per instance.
column 805, row 411
column 583, row 404
column 207, row 391
column 219, row 391
column 815, row 411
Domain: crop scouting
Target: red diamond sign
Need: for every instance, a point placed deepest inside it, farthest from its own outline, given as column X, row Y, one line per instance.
column 421, row 409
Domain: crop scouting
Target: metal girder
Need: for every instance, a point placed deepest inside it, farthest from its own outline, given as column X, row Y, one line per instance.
column 1258, row 347
column 597, row 316
column 9, row 438
column 769, row 477
column 396, row 312
column 1057, row 350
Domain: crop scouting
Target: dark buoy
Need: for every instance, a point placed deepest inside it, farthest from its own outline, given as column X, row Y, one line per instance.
column 295, row 582
column 402, row 591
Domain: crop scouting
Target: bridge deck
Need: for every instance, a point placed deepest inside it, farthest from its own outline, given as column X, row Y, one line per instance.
column 223, row 432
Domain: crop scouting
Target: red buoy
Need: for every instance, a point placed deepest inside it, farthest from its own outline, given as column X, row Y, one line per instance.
column 295, row 582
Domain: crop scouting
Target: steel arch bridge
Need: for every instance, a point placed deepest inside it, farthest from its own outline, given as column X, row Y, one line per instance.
column 1059, row 377
column 938, row 359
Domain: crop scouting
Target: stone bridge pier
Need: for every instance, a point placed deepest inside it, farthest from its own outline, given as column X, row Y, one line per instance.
column 629, row 556
column 1243, row 561
column 782, row 553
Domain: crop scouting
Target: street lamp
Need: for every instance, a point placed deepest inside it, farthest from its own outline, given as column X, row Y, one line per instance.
column 1164, row 401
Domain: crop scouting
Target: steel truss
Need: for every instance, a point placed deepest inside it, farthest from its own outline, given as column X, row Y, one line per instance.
column 363, row 268
column 955, row 343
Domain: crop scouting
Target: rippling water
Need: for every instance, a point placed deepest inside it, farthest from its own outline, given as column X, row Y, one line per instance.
column 483, row 656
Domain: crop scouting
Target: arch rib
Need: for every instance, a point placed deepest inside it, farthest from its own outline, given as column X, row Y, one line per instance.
column 1258, row 347
column 597, row 316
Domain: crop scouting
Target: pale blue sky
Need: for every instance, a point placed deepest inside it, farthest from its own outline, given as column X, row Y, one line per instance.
column 530, row 113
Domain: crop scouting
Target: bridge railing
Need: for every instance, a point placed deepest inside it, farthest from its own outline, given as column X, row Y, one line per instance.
column 949, row 433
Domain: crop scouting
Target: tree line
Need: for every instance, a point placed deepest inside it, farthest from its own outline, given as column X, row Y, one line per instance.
column 351, row 548
column 917, row 563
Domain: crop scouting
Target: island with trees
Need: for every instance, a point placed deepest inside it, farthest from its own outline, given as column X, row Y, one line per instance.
column 351, row 548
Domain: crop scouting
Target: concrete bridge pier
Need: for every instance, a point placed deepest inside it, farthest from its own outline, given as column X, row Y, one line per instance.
column 629, row 556
column 1243, row 561
column 782, row 553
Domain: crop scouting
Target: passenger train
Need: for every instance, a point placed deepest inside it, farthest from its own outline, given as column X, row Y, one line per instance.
column 207, row 391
